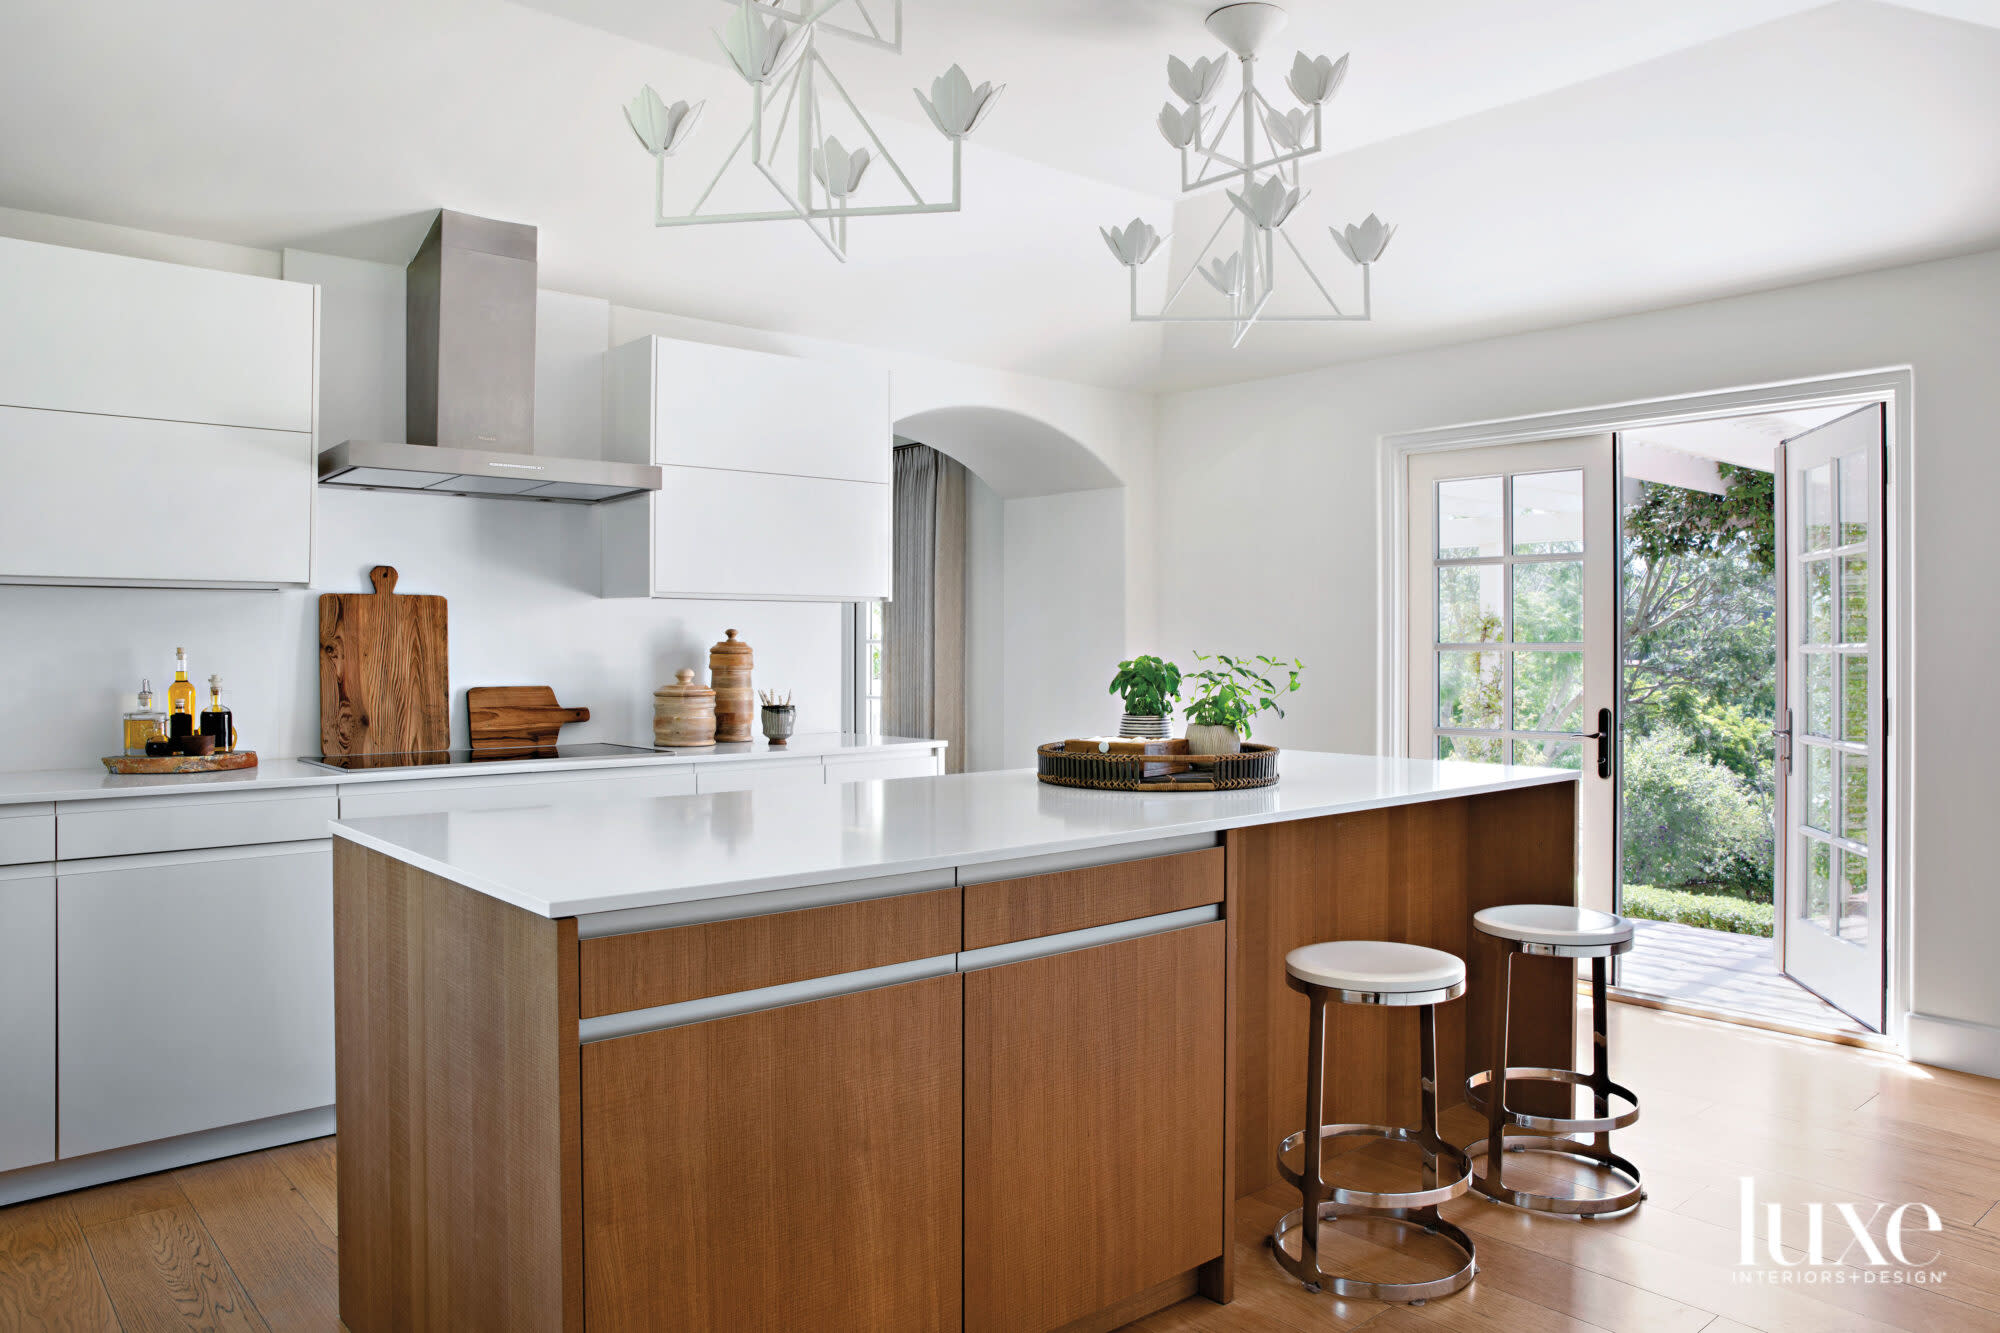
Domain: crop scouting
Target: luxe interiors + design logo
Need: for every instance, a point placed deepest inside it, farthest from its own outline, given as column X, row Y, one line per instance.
column 1840, row 1244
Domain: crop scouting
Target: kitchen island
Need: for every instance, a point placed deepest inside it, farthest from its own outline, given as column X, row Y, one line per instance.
column 966, row 1051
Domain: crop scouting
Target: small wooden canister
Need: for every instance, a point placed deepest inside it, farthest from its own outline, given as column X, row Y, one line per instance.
column 735, row 702
column 683, row 713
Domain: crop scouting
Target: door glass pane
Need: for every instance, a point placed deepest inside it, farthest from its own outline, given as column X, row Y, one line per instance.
column 1548, row 602
column 1471, row 749
column 1548, row 513
column 1469, row 608
column 1548, row 691
column 1817, row 533
column 1549, row 754
column 1853, row 499
column 1854, row 897
column 1854, row 599
column 1854, row 691
column 1819, row 600
column 1818, row 859
column 1469, row 690
column 1819, row 788
column 1854, row 796
column 1819, row 694
column 1468, row 517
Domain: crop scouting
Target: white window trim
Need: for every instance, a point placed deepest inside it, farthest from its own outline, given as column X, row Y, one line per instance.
column 1892, row 386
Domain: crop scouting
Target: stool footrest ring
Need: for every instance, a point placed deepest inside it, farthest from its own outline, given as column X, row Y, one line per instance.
column 1475, row 1094
column 1450, row 1186
column 1356, row 1288
column 1490, row 1187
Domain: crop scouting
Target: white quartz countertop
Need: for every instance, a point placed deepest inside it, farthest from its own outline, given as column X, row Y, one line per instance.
column 84, row 784
column 573, row 861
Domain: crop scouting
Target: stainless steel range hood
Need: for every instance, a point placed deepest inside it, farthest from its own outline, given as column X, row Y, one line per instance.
column 470, row 383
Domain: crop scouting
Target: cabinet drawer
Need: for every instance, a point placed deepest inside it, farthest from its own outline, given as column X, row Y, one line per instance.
column 27, row 833
column 915, row 764
column 1005, row 910
column 139, row 825
column 755, row 775
column 511, row 790
column 620, row 973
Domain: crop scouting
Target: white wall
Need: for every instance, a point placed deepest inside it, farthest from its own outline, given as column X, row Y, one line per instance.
column 985, row 628
column 1062, row 625
column 1275, row 546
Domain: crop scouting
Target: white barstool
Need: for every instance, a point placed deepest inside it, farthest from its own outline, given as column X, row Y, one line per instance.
column 1372, row 972
column 1550, row 931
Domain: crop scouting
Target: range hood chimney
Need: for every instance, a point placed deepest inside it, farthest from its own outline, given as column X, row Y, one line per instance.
column 470, row 382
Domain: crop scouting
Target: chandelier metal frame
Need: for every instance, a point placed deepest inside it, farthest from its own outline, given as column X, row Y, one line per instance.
column 775, row 49
column 1269, row 184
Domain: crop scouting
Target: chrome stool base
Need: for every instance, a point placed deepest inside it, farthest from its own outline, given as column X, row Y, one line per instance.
column 1405, row 1293
column 1475, row 1096
column 1591, row 1153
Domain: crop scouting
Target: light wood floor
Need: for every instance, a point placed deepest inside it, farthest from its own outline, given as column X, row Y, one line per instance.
column 247, row 1243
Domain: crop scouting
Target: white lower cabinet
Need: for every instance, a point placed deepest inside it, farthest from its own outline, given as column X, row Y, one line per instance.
column 196, row 991
column 759, row 775
column 505, row 791
column 916, row 764
column 27, row 1016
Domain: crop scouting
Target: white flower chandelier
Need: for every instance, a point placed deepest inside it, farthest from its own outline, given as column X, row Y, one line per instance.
column 776, row 51
column 1268, row 190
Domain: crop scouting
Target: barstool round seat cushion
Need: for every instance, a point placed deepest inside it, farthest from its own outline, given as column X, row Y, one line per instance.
column 1375, row 965
column 1546, row 923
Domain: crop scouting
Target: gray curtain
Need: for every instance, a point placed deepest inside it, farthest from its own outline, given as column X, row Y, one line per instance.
column 923, row 626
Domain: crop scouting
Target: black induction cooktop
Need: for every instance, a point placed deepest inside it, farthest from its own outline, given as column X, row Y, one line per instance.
column 351, row 763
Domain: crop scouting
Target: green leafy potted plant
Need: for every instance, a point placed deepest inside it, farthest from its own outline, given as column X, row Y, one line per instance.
column 1149, row 687
column 1231, row 692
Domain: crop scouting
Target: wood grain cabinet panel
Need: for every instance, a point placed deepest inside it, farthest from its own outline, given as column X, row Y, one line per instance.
column 638, row 971
column 1094, row 1088
column 1005, row 910
column 795, row 1168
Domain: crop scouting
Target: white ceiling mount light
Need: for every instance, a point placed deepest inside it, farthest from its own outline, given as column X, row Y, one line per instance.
column 775, row 49
column 1263, row 191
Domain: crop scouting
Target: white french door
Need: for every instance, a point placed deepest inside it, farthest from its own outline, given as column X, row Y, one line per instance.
column 1830, row 813
column 1513, row 567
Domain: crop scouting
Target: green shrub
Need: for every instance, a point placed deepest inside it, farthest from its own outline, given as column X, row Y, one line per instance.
column 1710, row 911
column 1690, row 820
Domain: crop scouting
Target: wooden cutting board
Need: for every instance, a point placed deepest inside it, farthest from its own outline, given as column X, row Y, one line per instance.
column 516, row 717
column 384, row 679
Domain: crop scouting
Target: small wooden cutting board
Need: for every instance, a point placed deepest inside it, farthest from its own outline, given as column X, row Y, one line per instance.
column 515, row 717
column 384, row 675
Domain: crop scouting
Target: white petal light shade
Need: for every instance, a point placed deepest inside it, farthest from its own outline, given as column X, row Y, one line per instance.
column 1363, row 242
column 1180, row 128
column 1133, row 244
column 661, row 128
column 1225, row 275
column 1269, row 204
column 1194, row 83
column 1287, row 128
column 1314, row 82
column 761, row 51
column 955, row 106
column 838, row 170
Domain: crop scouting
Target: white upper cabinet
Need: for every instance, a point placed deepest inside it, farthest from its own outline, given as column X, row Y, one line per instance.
column 777, row 475
column 131, row 390
column 91, row 332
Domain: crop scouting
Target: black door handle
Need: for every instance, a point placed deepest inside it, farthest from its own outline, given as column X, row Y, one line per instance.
column 1603, row 738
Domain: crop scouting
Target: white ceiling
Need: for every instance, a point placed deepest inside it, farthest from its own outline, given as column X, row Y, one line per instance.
column 1548, row 160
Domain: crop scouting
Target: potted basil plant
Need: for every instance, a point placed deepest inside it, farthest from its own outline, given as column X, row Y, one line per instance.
column 1149, row 687
column 1231, row 692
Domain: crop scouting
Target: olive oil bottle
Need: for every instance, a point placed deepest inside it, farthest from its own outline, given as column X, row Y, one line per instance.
column 180, row 698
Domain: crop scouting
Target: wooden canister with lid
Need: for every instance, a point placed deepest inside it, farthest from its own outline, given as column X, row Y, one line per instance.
column 735, row 702
column 683, row 713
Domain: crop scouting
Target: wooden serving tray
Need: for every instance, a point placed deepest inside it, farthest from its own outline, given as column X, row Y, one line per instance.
column 180, row 763
column 1057, row 764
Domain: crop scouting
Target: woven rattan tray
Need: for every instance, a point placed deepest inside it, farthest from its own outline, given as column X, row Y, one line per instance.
column 1256, row 766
